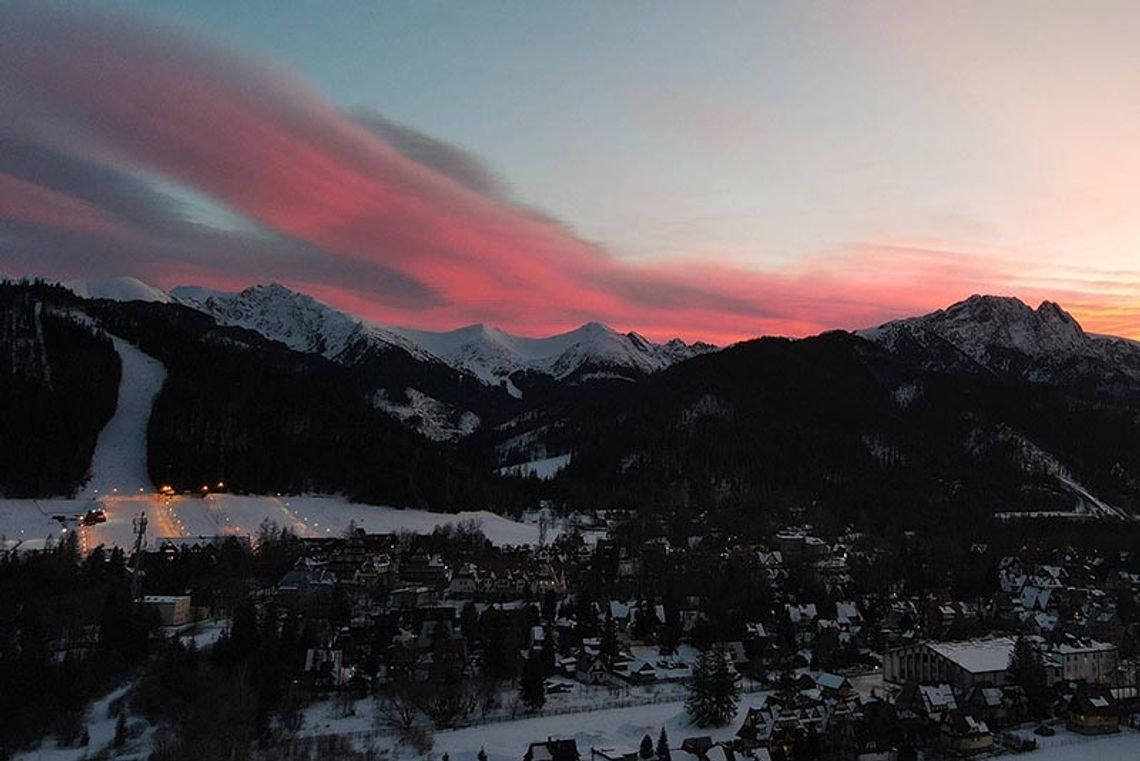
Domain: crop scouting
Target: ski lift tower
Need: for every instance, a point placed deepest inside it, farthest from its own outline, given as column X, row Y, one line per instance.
column 139, row 525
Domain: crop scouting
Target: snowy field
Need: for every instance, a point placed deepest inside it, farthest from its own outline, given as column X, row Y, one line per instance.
column 613, row 728
column 617, row 728
column 29, row 522
column 1066, row 746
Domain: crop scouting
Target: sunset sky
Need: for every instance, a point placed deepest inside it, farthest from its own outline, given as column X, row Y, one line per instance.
column 702, row 169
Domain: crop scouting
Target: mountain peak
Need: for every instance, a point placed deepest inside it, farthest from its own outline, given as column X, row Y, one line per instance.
column 117, row 289
column 983, row 326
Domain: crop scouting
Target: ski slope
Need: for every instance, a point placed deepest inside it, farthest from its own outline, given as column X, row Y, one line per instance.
column 119, row 462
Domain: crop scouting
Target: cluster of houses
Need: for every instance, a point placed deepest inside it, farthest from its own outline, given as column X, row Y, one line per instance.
column 391, row 607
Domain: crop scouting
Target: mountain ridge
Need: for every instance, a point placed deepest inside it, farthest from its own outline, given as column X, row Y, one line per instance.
column 490, row 354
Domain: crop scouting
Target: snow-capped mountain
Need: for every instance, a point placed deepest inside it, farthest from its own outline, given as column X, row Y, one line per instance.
column 305, row 324
column 117, row 289
column 300, row 322
column 981, row 324
column 591, row 351
column 1006, row 336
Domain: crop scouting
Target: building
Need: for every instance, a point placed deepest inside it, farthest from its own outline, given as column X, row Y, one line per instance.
column 173, row 610
column 1093, row 711
column 964, row 735
column 963, row 665
column 552, row 750
column 1087, row 661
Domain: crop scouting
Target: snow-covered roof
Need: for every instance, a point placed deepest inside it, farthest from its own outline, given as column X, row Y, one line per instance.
column 938, row 697
column 1083, row 646
column 978, row 656
column 830, row 681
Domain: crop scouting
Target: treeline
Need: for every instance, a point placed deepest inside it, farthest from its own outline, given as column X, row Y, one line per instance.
column 58, row 387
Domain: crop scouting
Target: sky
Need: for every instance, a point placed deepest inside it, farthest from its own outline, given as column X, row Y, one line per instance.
column 707, row 170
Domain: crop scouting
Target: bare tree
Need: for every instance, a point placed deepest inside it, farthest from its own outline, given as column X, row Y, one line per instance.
column 398, row 705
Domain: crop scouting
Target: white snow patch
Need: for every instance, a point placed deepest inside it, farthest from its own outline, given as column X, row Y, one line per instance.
column 544, row 469
column 434, row 419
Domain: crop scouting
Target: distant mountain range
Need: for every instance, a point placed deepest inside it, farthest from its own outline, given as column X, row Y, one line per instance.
column 987, row 406
column 491, row 355
column 415, row 370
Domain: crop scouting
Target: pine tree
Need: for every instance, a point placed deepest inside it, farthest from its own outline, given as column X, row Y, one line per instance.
column 532, row 691
column 608, row 644
column 669, row 634
column 713, row 692
column 1028, row 672
column 646, row 751
column 663, row 753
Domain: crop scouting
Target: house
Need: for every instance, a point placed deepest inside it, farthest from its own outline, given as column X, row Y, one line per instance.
column 697, row 746
column 928, row 701
column 997, row 706
column 613, row 754
column 552, row 750
column 173, row 610
column 324, row 668
column 1093, row 711
column 589, row 669
column 963, row 734
column 704, row 749
column 834, row 686
column 1087, row 660
column 637, row 671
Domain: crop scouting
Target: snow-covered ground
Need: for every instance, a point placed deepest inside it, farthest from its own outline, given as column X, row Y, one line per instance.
column 615, row 728
column 30, row 521
column 119, row 462
column 101, row 730
column 1067, row 746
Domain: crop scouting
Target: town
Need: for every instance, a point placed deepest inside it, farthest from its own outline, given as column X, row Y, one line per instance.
column 797, row 642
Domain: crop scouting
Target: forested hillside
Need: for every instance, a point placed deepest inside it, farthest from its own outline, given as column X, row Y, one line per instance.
column 59, row 379
column 239, row 409
column 775, row 423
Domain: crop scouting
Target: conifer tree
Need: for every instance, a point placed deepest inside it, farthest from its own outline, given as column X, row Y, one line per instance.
column 532, row 691
column 663, row 753
column 608, row 645
column 713, row 692
column 1028, row 672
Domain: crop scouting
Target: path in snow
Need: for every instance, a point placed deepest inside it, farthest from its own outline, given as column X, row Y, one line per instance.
column 119, row 462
